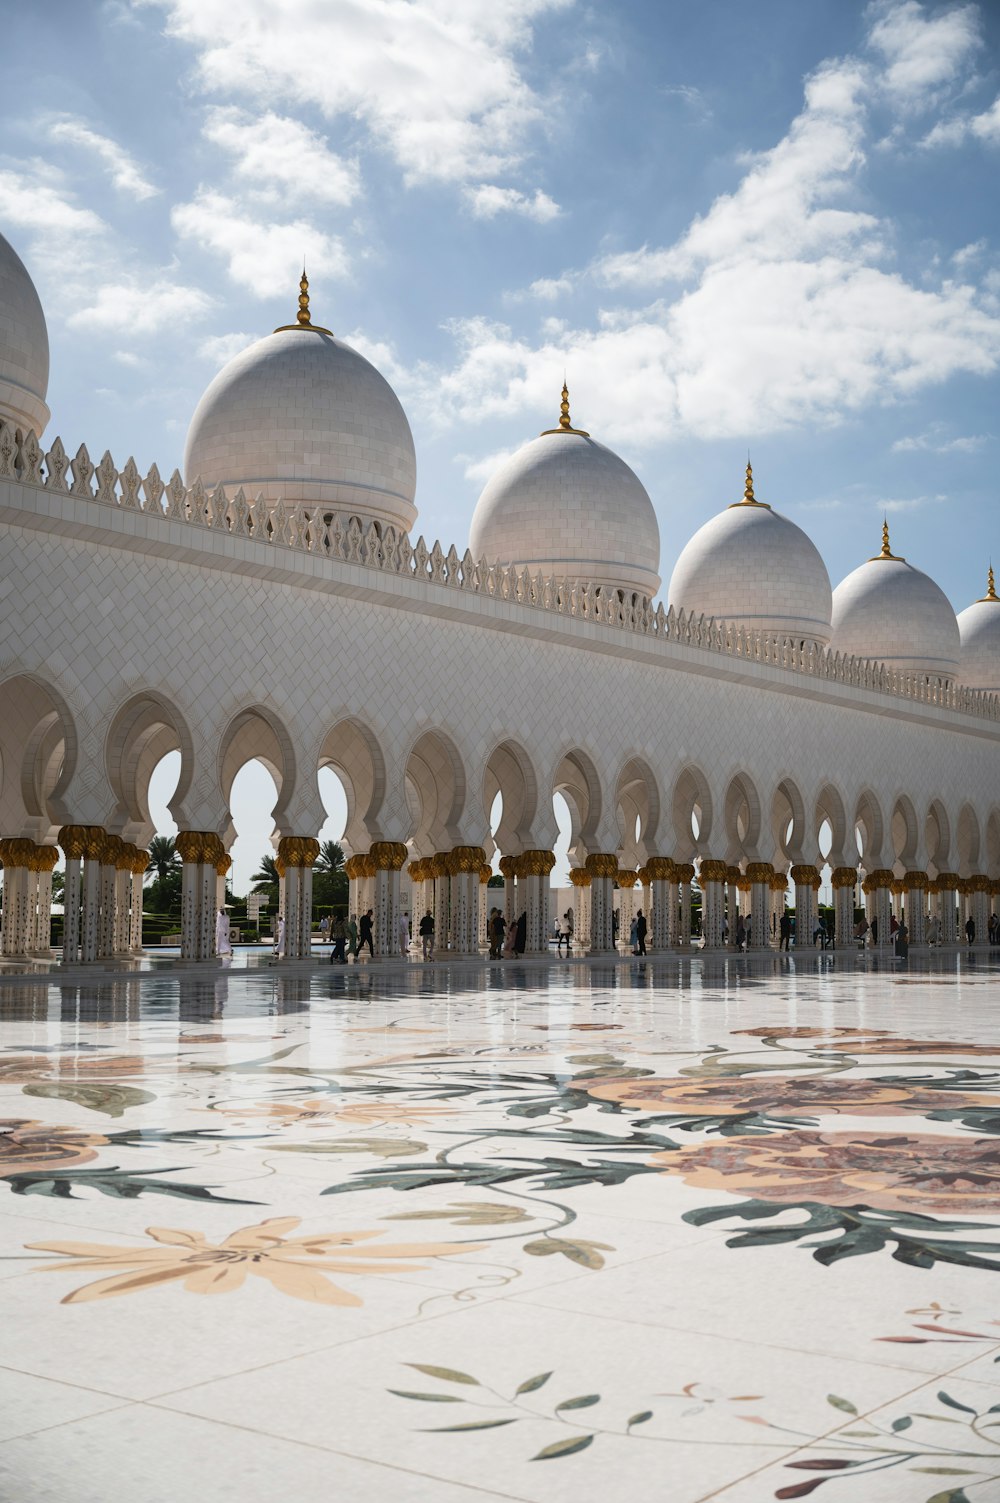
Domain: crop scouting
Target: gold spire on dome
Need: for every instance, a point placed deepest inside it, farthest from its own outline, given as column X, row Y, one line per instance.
column 565, row 426
column 991, row 593
column 887, row 552
column 302, row 318
column 749, row 499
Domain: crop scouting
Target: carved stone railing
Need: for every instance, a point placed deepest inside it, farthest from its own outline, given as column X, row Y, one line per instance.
column 318, row 530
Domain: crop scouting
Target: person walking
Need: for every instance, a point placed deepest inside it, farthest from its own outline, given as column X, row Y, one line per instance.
column 934, row 930
column 902, row 941
column 426, row 931
column 496, row 934
column 365, row 934
column 741, row 934
column 566, row 932
column 633, row 934
column 352, row 931
column 640, row 932
column 223, row 944
column 970, row 930
column 873, row 931
column 404, row 933
column 521, row 941
column 279, row 937
column 324, row 929
column 615, row 925
column 785, row 930
column 510, row 943
column 338, row 933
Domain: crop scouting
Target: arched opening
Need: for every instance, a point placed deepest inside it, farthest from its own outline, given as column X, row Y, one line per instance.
column 967, row 840
column 937, row 837
column 38, row 748
column 868, row 831
column 637, row 799
column 993, row 844
column 905, row 836
column 691, row 813
column 577, row 780
column 510, row 794
column 788, row 822
column 742, row 816
column 435, row 793
column 352, row 784
column 256, row 770
column 148, row 739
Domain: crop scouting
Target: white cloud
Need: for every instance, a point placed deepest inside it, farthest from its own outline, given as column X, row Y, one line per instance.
column 480, row 469
column 923, row 53
column 140, row 308
column 219, row 349
column 122, row 168
column 693, row 98
column 968, row 253
column 35, row 198
column 778, row 307
column 488, row 200
column 437, row 83
column 130, row 359
column 281, row 160
column 908, row 503
column 263, row 257
column 952, row 132
column 934, row 441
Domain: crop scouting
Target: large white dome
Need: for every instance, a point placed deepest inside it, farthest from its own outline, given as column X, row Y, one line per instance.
column 24, row 346
column 979, row 631
column 567, row 506
column 889, row 611
column 753, row 566
column 303, row 417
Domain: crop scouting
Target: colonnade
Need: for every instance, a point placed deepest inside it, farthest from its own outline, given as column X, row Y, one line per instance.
column 104, row 887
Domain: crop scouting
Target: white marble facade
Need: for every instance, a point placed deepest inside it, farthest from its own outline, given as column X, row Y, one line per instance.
column 677, row 740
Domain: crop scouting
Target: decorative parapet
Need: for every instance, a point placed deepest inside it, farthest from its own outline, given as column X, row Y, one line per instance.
column 359, row 540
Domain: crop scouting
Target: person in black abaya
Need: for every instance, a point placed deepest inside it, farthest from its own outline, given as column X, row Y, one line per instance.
column 522, row 935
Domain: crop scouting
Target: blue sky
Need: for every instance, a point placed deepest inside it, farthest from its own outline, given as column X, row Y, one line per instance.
column 770, row 225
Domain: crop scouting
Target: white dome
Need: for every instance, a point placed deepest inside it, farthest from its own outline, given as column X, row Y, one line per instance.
column 753, row 566
column 24, row 346
column 979, row 630
column 567, row 506
column 303, row 417
column 889, row 611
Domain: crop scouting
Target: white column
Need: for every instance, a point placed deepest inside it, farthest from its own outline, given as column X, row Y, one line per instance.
column 844, row 883
column 673, row 913
column 659, row 902
column 760, row 873
column 482, row 914
column 109, row 880
column 581, row 907
column 806, row 879
column 305, row 908
column 713, row 874
column 135, row 930
column 602, row 868
column 189, row 907
column 916, row 907
column 883, row 912
column 290, row 887
column 626, row 908
column 72, row 838
column 979, row 902
column 949, row 905
column 123, row 909
column 90, row 919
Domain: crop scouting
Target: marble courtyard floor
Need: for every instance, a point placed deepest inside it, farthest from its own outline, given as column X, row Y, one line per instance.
column 673, row 1230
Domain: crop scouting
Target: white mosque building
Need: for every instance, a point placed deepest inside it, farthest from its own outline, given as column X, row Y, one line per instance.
column 747, row 729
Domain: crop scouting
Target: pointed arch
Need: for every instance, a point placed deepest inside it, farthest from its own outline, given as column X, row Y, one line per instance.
column 692, row 813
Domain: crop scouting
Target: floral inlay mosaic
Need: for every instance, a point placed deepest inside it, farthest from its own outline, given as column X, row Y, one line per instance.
column 615, row 1155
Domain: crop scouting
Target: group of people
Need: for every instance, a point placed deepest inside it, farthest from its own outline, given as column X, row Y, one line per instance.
column 507, row 941
column 348, row 937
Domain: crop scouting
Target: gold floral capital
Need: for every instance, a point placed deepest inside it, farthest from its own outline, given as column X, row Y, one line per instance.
column 508, row 867
column 222, row 867
column 73, row 839
column 625, row 878
column 948, row 881
column 806, row 876
column 734, row 876
column 778, row 882
column 760, row 871
column 579, row 876
column 882, row 876
column 683, row 871
column 537, row 863
column 601, row 864
column 140, row 861
column 485, row 873
column 660, row 869
column 844, row 876
column 388, row 855
column 713, row 871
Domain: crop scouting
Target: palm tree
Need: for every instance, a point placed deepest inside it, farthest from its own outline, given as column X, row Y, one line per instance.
column 330, row 859
column 267, row 874
column 163, row 857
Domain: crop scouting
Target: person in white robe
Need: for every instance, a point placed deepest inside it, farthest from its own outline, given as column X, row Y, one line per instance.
column 404, row 934
column 279, row 938
column 223, row 945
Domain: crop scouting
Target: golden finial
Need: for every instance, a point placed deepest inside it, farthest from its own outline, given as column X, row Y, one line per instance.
column 749, row 499
column 565, row 426
column 302, row 318
column 991, row 593
column 887, row 552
